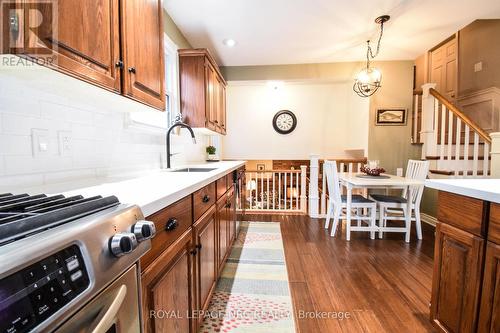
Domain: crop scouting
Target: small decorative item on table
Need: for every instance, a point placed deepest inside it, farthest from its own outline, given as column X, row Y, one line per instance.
column 372, row 169
column 211, row 156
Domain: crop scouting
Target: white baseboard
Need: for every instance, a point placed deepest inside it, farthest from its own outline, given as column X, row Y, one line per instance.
column 428, row 219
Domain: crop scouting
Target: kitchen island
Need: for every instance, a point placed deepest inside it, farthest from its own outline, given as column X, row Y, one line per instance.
column 466, row 278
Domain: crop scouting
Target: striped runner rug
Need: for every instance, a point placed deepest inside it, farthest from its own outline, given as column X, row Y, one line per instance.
column 253, row 295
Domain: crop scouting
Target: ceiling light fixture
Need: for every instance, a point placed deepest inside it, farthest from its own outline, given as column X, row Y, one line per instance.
column 229, row 42
column 369, row 79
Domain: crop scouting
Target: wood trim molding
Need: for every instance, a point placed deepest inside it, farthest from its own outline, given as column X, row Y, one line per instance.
column 461, row 115
column 429, row 219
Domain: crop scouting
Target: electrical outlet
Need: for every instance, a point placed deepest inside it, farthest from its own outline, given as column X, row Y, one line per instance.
column 40, row 141
column 65, row 139
column 478, row 66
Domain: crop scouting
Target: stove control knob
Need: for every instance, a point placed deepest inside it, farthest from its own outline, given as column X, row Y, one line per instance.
column 144, row 230
column 122, row 243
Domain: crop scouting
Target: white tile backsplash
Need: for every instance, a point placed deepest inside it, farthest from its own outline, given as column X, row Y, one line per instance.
column 103, row 142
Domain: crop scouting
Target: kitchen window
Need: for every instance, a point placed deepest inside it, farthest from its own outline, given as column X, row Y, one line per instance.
column 163, row 120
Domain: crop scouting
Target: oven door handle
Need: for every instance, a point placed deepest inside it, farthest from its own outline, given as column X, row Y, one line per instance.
column 107, row 316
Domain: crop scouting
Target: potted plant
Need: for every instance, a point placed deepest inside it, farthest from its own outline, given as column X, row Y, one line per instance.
column 211, row 156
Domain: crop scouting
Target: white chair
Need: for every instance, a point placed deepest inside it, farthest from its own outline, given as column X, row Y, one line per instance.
column 394, row 207
column 337, row 204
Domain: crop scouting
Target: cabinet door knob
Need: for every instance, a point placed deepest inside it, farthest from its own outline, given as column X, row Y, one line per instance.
column 193, row 252
column 206, row 198
column 198, row 246
column 171, row 224
column 119, row 64
column 131, row 69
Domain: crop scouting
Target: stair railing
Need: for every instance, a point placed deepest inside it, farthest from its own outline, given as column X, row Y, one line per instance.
column 459, row 145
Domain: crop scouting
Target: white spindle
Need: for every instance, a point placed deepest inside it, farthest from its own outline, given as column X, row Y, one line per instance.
column 279, row 190
column 476, row 155
column 436, row 121
column 267, row 194
column 466, row 150
column 303, row 187
column 457, row 146
column 450, row 136
column 297, row 191
column 341, row 167
column 486, row 160
column 323, row 191
column 443, row 131
column 274, row 191
column 291, row 190
column 350, row 167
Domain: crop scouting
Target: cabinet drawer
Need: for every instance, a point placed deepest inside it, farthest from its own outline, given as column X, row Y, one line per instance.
column 494, row 227
column 462, row 212
column 203, row 199
column 221, row 186
column 171, row 222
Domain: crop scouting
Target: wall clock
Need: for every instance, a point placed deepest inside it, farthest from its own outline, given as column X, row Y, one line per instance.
column 284, row 122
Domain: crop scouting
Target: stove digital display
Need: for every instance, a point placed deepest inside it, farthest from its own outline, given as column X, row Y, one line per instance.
column 30, row 296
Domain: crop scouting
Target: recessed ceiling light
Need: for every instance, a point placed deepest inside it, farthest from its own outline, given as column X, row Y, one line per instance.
column 229, row 42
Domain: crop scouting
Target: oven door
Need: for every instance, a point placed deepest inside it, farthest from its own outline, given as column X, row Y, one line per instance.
column 114, row 310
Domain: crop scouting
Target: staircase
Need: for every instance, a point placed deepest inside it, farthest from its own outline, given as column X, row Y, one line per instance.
column 456, row 146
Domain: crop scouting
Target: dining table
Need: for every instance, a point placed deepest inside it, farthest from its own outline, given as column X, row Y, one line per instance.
column 353, row 180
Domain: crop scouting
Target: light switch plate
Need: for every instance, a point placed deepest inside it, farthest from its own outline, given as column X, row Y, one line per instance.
column 65, row 139
column 478, row 66
column 40, row 142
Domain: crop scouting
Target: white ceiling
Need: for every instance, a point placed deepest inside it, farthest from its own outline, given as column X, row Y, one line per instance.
column 316, row 31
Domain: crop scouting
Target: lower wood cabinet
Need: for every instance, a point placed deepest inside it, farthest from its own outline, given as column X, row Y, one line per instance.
column 180, row 272
column 168, row 289
column 489, row 315
column 206, row 260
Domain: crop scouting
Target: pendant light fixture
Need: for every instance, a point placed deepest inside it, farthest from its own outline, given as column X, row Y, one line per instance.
column 369, row 79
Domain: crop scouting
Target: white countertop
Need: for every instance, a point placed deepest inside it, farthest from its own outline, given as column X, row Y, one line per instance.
column 485, row 188
column 151, row 191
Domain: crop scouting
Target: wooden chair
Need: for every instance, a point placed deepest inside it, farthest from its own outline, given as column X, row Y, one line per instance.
column 337, row 203
column 393, row 207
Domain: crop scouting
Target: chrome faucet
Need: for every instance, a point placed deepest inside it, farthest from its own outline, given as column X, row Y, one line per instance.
column 178, row 123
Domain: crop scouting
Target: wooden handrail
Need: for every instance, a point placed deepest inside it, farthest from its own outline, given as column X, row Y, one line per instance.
column 417, row 92
column 461, row 115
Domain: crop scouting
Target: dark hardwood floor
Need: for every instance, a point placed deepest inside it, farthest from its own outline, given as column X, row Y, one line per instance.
column 381, row 285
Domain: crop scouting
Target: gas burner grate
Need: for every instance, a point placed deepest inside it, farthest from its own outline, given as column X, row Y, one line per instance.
column 22, row 215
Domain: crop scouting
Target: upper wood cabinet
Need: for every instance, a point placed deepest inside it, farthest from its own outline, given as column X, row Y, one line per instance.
column 203, row 90
column 114, row 44
column 84, row 44
column 143, row 58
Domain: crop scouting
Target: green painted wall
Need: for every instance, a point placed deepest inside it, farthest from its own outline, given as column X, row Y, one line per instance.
column 174, row 33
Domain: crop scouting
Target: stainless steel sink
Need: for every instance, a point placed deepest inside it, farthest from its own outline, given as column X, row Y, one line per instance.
column 194, row 170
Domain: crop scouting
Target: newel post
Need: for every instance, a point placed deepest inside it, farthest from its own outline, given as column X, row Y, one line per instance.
column 495, row 155
column 427, row 133
column 313, row 186
column 303, row 187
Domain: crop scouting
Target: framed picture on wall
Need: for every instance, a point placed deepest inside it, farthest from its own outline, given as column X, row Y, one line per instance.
column 261, row 167
column 395, row 117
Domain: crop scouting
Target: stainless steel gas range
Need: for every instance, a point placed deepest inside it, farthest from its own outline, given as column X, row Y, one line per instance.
column 70, row 264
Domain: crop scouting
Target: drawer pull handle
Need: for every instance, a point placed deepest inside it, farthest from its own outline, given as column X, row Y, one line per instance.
column 193, row 252
column 228, row 205
column 172, row 224
column 199, row 246
column 206, row 198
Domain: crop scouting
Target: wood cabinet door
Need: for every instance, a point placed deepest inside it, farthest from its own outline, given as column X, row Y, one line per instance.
column 222, row 230
column 456, row 283
column 86, row 42
column 167, row 289
column 206, row 268
column 489, row 315
column 231, row 213
column 222, row 106
column 142, row 45
column 209, row 96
